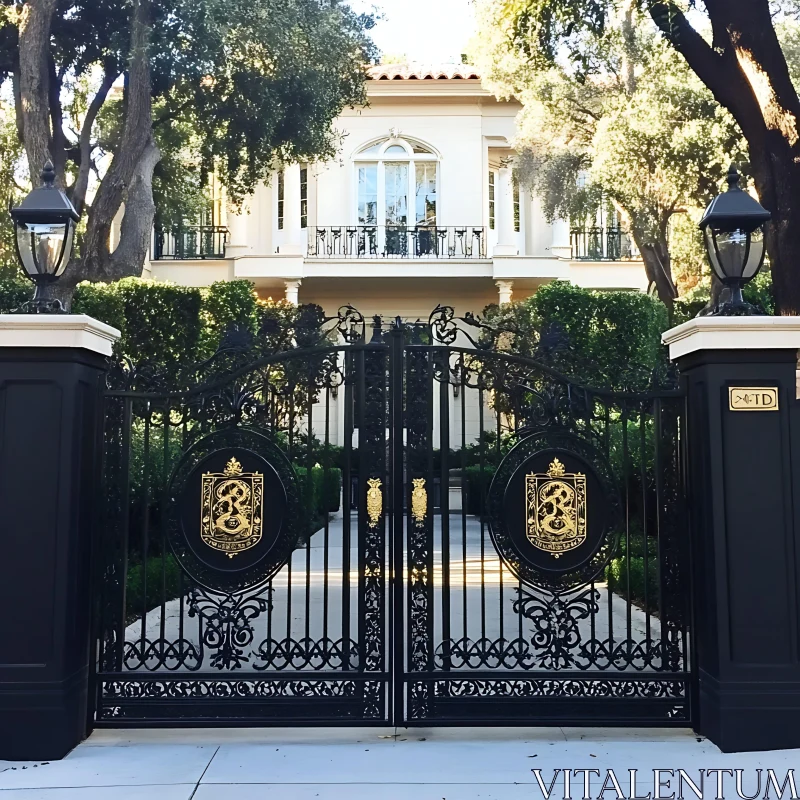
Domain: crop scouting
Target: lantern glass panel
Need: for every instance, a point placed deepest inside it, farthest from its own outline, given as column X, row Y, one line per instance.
column 729, row 249
column 755, row 255
column 45, row 247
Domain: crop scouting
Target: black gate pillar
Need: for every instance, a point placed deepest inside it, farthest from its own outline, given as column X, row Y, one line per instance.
column 51, row 368
column 743, row 481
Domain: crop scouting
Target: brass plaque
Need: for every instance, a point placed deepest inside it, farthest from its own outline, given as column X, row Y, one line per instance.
column 753, row 398
column 232, row 509
column 555, row 509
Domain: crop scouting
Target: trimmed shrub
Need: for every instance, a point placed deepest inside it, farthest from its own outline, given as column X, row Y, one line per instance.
column 160, row 572
column 320, row 496
column 477, row 486
column 13, row 293
column 604, row 339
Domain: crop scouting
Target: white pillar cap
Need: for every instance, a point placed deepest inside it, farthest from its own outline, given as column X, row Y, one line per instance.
column 57, row 330
column 733, row 333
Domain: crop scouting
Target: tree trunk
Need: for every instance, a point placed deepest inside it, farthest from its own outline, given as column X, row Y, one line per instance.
column 34, row 83
column 747, row 73
column 657, row 263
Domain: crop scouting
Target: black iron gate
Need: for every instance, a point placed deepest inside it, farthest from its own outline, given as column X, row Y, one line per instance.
column 396, row 523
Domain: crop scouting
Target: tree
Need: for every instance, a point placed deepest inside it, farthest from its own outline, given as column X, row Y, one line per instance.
column 228, row 85
column 628, row 118
column 743, row 65
column 10, row 155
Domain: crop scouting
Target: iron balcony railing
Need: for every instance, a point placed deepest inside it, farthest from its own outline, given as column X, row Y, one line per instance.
column 182, row 242
column 397, row 241
column 602, row 244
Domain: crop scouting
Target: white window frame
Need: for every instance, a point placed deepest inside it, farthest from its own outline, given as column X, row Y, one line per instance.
column 361, row 158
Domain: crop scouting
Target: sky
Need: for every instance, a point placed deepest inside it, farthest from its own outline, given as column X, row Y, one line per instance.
column 422, row 30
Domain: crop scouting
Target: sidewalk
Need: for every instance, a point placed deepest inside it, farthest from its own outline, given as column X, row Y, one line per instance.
column 376, row 764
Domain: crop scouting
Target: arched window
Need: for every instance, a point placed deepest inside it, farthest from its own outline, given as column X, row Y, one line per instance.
column 397, row 184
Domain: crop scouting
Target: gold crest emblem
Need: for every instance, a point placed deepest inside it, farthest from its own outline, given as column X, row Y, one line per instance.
column 555, row 509
column 374, row 500
column 232, row 509
column 419, row 500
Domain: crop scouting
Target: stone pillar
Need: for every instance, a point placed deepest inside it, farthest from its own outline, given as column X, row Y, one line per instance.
column 293, row 242
column 52, row 369
column 506, row 236
column 237, row 233
column 505, row 291
column 293, row 291
column 743, row 459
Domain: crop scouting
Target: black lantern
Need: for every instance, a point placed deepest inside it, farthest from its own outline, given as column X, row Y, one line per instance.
column 45, row 228
column 733, row 227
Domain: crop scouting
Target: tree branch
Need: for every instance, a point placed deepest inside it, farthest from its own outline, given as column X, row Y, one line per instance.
column 719, row 71
column 135, row 139
column 85, row 142
column 170, row 115
column 58, row 141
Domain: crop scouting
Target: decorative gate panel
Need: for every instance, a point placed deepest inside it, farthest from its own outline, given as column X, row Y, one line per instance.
column 406, row 524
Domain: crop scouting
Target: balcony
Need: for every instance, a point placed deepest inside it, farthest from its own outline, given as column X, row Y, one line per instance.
column 397, row 241
column 188, row 242
column 602, row 244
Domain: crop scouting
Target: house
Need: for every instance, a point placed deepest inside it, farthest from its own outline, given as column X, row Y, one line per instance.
column 419, row 208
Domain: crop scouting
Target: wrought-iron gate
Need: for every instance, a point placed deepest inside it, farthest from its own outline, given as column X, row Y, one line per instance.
column 401, row 523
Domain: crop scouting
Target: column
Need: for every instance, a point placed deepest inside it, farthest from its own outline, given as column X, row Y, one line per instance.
column 51, row 375
column 293, row 291
column 237, row 233
column 293, row 243
column 743, row 456
column 505, row 291
column 506, row 236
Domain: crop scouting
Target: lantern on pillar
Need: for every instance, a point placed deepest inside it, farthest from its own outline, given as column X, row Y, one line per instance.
column 733, row 229
column 44, row 228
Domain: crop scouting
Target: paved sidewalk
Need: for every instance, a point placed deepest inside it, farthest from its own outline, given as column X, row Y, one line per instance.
column 375, row 764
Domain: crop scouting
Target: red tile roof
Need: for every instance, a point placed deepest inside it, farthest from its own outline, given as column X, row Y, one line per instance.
column 423, row 72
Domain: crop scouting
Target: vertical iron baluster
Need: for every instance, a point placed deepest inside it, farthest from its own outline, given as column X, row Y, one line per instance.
column 444, row 502
column 145, row 522
column 645, row 559
column 657, row 426
column 310, row 492
column 498, row 457
column 463, row 393
column 125, row 494
column 326, row 540
column 627, row 500
column 397, row 566
column 163, row 518
column 482, row 505
column 347, row 510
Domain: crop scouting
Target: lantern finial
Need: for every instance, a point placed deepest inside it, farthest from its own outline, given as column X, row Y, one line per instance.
column 48, row 175
column 733, row 179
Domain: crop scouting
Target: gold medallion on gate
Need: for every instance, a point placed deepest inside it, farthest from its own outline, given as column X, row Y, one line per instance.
column 232, row 509
column 555, row 509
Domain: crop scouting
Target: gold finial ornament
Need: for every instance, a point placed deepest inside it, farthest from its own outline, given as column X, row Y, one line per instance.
column 233, row 467
column 419, row 501
column 556, row 469
column 374, row 500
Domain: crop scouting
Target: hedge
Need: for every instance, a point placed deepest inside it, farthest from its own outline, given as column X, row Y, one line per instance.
column 608, row 339
column 477, row 487
column 324, row 497
column 620, row 569
column 160, row 572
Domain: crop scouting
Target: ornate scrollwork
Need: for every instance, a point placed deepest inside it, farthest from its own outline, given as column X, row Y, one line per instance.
column 228, row 630
column 556, row 624
column 351, row 324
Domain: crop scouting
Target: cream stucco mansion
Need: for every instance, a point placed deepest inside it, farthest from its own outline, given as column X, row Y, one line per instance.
column 418, row 208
